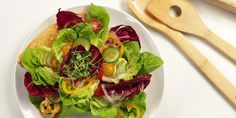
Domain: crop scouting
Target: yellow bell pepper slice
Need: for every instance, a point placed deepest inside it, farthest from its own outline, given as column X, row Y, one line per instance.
column 137, row 109
column 115, row 41
column 66, row 82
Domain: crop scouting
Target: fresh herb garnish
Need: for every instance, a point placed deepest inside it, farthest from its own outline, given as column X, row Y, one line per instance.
column 79, row 65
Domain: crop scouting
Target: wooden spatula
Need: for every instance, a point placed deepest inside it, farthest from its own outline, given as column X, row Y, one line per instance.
column 189, row 21
column 229, row 5
column 216, row 77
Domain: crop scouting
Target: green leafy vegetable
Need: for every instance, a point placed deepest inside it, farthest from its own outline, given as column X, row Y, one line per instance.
column 35, row 100
column 75, row 103
column 45, row 76
column 121, row 65
column 64, row 36
column 37, row 61
column 69, row 110
column 138, row 100
column 84, row 30
column 84, row 42
column 81, row 98
column 33, row 58
column 101, row 107
column 149, row 62
column 132, row 52
column 132, row 71
column 99, row 13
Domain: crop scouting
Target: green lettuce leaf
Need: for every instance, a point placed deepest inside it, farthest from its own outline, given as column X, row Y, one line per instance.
column 36, row 61
column 84, row 42
column 64, row 36
column 132, row 52
column 81, row 98
column 138, row 100
column 150, row 62
column 84, row 30
column 45, row 76
column 70, row 110
column 33, row 58
column 101, row 107
column 35, row 100
column 99, row 13
column 132, row 71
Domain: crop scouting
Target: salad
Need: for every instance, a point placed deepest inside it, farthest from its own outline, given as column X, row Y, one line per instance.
column 89, row 68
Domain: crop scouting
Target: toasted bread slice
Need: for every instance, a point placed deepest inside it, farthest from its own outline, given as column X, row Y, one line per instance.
column 47, row 37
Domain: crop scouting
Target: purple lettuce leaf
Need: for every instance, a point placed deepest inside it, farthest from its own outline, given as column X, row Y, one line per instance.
column 126, row 89
column 67, row 19
column 125, row 33
column 38, row 90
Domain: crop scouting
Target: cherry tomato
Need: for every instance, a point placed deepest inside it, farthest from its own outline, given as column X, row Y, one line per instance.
column 108, row 69
column 97, row 25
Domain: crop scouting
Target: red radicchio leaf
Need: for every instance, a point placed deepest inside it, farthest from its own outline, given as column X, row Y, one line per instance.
column 126, row 89
column 125, row 33
column 38, row 90
column 96, row 58
column 67, row 19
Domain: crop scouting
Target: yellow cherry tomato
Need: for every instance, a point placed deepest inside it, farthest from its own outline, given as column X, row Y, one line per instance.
column 65, row 49
column 108, row 69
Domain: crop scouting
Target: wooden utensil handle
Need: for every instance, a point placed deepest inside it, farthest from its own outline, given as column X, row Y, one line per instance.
column 226, row 4
column 220, row 44
column 214, row 75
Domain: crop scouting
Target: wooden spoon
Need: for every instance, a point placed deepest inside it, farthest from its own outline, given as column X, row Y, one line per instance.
column 188, row 21
column 214, row 75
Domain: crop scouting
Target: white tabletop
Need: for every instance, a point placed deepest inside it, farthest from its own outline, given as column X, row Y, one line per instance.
column 187, row 93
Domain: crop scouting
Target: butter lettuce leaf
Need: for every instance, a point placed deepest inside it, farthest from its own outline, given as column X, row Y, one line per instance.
column 150, row 62
column 99, row 13
column 70, row 110
column 75, row 103
column 101, row 107
column 33, row 58
column 37, row 62
column 81, row 98
column 132, row 52
column 64, row 36
column 139, row 101
column 45, row 76
column 84, row 30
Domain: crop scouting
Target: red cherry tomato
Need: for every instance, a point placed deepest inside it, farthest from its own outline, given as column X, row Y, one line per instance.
column 97, row 25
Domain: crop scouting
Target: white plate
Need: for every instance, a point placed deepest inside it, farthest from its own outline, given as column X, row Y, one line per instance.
column 154, row 90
